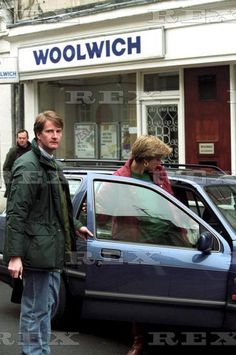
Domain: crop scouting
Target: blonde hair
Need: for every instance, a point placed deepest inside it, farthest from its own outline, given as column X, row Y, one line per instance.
column 149, row 147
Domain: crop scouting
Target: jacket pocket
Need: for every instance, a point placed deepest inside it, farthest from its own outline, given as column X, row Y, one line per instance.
column 41, row 248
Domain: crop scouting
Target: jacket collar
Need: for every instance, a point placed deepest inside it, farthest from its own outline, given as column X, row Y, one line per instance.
column 42, row 158
column 23, row 148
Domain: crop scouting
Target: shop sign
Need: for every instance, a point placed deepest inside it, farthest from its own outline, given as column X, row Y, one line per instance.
column 122, row 47
column 206, row 148
column 8, row 70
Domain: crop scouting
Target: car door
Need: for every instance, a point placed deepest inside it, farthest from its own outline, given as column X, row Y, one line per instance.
column 143, row 263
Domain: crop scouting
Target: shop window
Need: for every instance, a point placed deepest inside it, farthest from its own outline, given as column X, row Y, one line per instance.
column 161, row 82
column 99, row 115
column 207, row 87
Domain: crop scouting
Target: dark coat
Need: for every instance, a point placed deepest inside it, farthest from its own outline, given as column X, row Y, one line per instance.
column 35, row 222
column 13, row 153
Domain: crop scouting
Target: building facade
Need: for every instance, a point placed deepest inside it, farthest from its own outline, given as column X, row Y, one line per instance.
column 116, row 69
column 6, row 89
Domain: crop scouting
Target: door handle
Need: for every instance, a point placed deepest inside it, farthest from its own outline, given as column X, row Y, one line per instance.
column 111, row 253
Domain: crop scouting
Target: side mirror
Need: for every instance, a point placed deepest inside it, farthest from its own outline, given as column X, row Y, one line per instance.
column 205, row 242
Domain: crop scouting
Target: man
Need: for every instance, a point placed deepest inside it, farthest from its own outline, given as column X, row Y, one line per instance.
column 22, row 146
column 39, row 231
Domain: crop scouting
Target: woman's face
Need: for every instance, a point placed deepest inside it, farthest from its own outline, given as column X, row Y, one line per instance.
column 153, row 164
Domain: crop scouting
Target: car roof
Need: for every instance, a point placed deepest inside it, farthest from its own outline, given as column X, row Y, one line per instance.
column 82, row 166
column 200, row 174
column 203, row 179
column 108, row 164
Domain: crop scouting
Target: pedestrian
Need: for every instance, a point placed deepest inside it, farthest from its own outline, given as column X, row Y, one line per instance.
column 145, row 164
column 40, row 232
column 22, row 146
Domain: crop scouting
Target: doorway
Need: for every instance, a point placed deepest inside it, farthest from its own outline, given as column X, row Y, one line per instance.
column 207, row 116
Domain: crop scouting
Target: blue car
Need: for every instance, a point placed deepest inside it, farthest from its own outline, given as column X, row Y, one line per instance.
column 151, row 258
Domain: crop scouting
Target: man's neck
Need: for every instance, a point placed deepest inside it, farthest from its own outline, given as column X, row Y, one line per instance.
column 45, row 153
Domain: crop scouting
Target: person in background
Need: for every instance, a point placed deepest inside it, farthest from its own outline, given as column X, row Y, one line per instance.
column 22, row 146
column 40, row 232
column 145, row 164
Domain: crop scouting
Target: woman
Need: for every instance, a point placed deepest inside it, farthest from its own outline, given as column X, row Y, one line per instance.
column 145, row 164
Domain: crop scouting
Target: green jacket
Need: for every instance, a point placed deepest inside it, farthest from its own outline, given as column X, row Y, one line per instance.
column 35, row 220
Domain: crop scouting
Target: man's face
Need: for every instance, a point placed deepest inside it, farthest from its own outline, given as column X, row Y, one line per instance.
column 50, row 137
column 22, row 139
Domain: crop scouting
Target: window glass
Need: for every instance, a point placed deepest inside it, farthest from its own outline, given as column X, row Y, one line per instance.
column 199, row 206
column 162, row 121
column 207, row 87
column 224, row 197
column 161, row 82
column 73, row 185
column 99, row 114
column 136, row 214
column 25, row 9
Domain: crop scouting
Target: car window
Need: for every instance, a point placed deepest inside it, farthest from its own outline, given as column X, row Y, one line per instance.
column 73, row 185
column 138, row 214
column 224, row 197
column 196, row 203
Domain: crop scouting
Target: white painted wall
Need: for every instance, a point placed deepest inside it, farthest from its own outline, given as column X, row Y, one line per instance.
column 5, row 134
column 5, row 121
column 5, row 113
column 5, row 125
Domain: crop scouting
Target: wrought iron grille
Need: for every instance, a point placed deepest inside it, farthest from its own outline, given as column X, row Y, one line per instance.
column 162, row 121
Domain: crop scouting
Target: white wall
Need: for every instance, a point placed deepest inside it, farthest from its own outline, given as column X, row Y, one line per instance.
column 5, row 111
column 5, row 133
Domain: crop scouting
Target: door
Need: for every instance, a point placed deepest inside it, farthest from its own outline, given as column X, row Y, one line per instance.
column 143, row 264
column 207, row 116
column 162, row 120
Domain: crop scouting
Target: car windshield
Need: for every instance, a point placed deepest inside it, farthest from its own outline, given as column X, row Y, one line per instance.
column 224, row 197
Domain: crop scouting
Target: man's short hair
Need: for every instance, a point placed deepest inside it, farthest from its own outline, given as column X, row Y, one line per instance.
column 22, row 131
column 41, row 119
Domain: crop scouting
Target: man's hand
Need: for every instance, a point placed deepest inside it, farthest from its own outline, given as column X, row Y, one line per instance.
column 15, row 267
column 83, row 232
